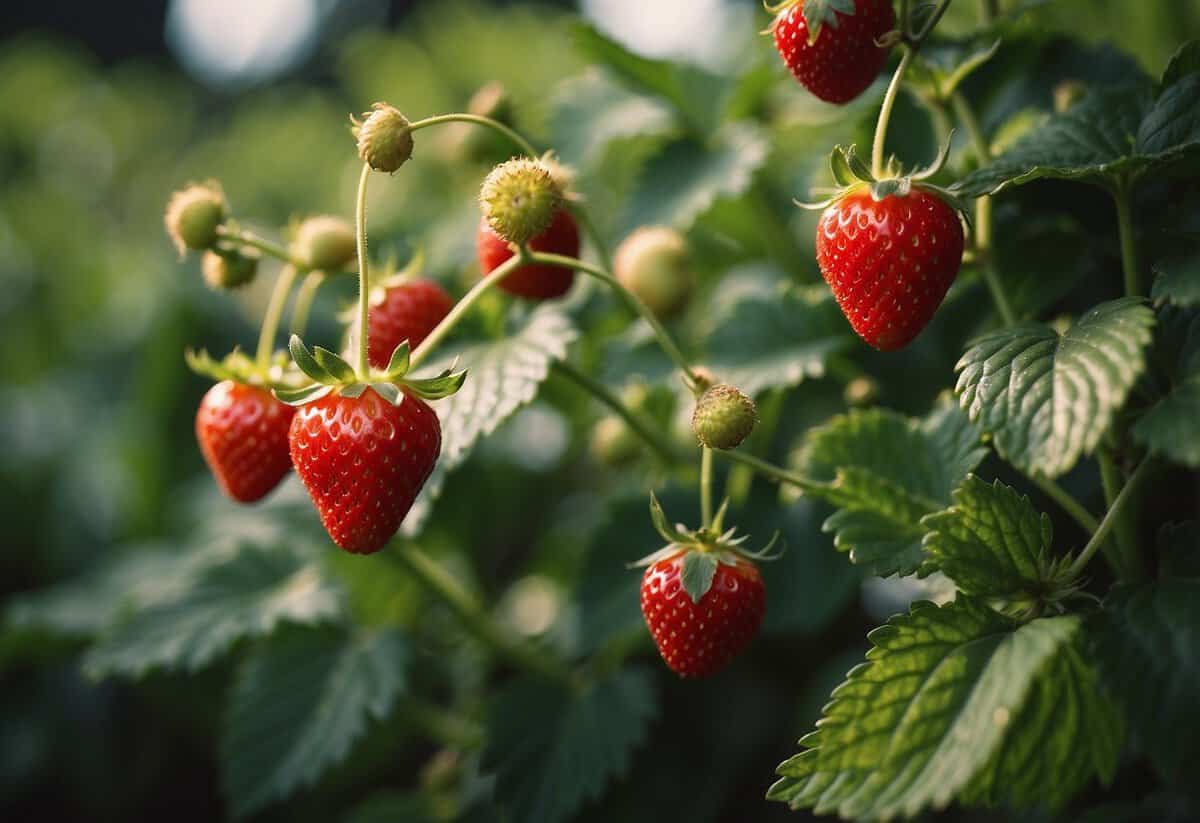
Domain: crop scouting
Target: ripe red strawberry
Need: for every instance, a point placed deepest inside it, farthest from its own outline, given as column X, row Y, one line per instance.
column 409, row 311
column 698, row 638
column 243, row 435
column 534, row 282
column 889, row 262
column 843, row 60
column 363, row 462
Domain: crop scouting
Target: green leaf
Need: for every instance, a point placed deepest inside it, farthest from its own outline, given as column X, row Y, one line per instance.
column 505, row 375
column 552, row 751
column 992, row 542
column 1185, row 61
column 591, row 112
column 1178, row 280
column 299, row 703
column 1179, row 549
column 885, row 472
column 1148, row 642
column 956, row 701
column 240, row 596
column 697, row 574
column 766, row 333
column 334, row 364
column 1172, row 426
column 1047, row 398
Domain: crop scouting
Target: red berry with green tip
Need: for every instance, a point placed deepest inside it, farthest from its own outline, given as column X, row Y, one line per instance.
column 889, row 262
column 363, row 462
column 408, row 311
column 243, row 434
column 843, row 60
column 533, row 281
column 697, row 639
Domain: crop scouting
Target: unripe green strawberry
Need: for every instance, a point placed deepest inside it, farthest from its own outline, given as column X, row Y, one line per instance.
column 723, row 417
column 325, row 243
column 385, row 140
column 520, row 199
column 225, row 270
column 193, row 215
column 652, row 262
column 613, row 443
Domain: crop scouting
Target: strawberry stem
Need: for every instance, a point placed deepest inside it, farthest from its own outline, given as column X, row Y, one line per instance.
column 479, row 120
column 706, row 481
column 885, row 114
column 1115, row 513
column 245, row 238
column 1123, row 197
column 270, row 322
column 363, row 366
column 304, row 299
column 1066, row 501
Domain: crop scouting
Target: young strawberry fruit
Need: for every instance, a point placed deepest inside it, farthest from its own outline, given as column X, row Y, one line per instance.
column 243, row 435
column 533, row 282
column 363, row 461
column 830, row 45
column 702, row 596
column 889, row 262
column 408, row 310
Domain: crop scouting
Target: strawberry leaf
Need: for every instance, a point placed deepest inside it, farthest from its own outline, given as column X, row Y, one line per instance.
column 697, row 573
column 1177, row 280
column 960, row 702
column 335, row 683
column 1047, row 397
column 1171, row 426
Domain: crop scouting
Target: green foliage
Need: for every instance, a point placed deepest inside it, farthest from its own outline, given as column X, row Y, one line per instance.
column 1171, row 427
column 1178, row 280
column 1047, row 397
column 957, row 701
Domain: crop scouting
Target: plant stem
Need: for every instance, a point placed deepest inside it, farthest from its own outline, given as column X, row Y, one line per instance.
column 246, row 238
column 1121, row 551
column 479, row 120
column 304, row 299
column 920, row 36
column 363, row 366
column 706, row 481
column 630, row 300
column 606, row 396
column 270, row 322
column 1111, row 518
column 983, row 209
column 885, row 113
column 1067, row 502
column 463, row 306
column 441, row 583
column 772, row 471
column 1123, row 197
column 448, row 729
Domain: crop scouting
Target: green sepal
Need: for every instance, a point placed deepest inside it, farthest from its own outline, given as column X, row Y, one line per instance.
column 819, row 12
column 897, row 186
column 938, row 162
column 672, row 534
column 840, row 166
column 353, row 390
column 696, row 576
column 306, row 394
column 333, row 364
column 398, row 364
column 308, row 364
column 388, row 391
column 435, row 388
column 241, row 368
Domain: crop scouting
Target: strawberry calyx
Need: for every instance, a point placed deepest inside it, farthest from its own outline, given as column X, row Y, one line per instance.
column 818, row 14
column 852, row 173
column 703, row 549
column 328, row 373
column 241, row 368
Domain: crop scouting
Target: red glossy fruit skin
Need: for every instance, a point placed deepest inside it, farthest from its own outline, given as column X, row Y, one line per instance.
column 889, row 263
column 844, row 60
column 409, row 311
column 698, row 639
column 243, row 434
column 363, row 462
column 533, row 282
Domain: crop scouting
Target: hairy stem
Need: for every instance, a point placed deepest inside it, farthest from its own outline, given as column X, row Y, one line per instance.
column 706, row 482
column 608, row 398
column 885, row 113
column 1123, row 197
column 363, row 366
column 1115, row 514
column 477, row 621
column 270, row 323
column 304, row 299
column 495, row 125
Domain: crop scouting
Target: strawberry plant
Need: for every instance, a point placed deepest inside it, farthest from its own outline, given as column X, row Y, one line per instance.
column 913, row 300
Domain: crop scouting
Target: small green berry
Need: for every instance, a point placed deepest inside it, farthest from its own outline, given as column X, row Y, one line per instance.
column 613, row 444
column 226, row 270
column 653, row 264
column 385, row 140
column 519, row 199
column 723, row 417
column 325, row 243
column 193, row 215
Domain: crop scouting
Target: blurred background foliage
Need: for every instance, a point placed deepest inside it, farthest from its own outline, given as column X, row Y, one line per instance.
column 103, row 114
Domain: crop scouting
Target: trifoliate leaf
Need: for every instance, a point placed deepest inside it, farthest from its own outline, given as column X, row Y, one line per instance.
column 1047, row 398
column 245, row 595
column 1148, row 642
column 504, row 376
column 299, row 703
column 1178, row 280
column 885, row 472
column 992, row 542
column 553, row 751
column 956, row 701
column 766, row 333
